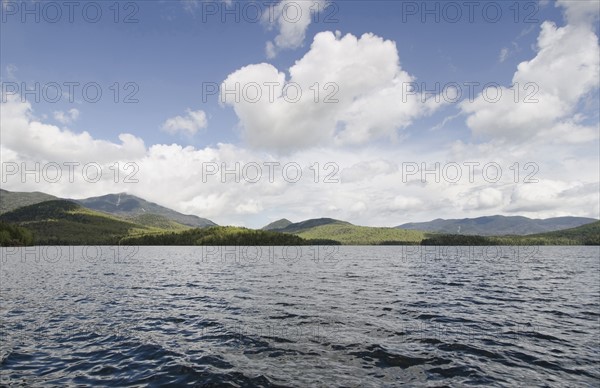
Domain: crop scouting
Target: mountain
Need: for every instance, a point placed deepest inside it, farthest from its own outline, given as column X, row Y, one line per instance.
column 498, row 225
column 66, row 222
column 126, row 206
column 11, row 200
column 279, row 224
column 304, row 225
column 130, row 206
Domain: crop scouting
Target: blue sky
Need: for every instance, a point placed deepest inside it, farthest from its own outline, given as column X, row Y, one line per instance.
column 174, row 47
column 172, row 50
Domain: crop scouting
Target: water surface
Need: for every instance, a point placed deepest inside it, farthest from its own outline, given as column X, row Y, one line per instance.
column 300, row 316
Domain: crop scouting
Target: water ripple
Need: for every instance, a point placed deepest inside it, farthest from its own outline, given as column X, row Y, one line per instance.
column 375, row 318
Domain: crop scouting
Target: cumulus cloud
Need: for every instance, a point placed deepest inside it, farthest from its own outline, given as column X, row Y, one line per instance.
column 544, row 196
column 66, row 117
column 36, row 140
column 406, row 203
column 543, row 102
column 189, row 124
column 484, row 199
column 371, row 190
column 249, row 207
column 345, row 90
column 580, row 11
column 292, row 19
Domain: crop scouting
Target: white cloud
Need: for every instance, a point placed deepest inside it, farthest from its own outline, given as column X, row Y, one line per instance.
column 406, row 203
column 371, row 192
column 543, row 196
column 35, row 140
column 503, row 54
column 548, row 99
column 189, row 124
column 191, row 6
column 292, row 19
column 352, row 90
column 270, row 50
column 11, row 71
column 580, row 11
column 66, row 117
column 249, row 207
column 485, row 199
column 366, row 170
column 358, row 207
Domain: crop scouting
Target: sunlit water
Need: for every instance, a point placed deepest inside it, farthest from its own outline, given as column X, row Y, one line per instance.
column 348, row 316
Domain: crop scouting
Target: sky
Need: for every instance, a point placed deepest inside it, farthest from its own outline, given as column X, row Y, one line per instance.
column 373, row 112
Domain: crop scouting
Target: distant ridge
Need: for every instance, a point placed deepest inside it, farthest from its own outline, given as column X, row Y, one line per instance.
column 145, row 216
column 279, row 224
column 130, row 206
column 307, row 224
column 122, row 205
column 498, row 225
column 11, row 200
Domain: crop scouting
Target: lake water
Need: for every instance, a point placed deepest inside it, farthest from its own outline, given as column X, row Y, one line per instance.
column 300, row 316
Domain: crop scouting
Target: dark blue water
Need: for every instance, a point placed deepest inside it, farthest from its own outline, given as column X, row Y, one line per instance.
column 357, row 316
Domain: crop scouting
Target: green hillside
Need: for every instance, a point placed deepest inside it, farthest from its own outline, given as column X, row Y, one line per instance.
column 157, row 221
column 12, row 235
column 63, row 222
column 221, row 235
column 302, row 226
column 588, row 234
column 349, row 234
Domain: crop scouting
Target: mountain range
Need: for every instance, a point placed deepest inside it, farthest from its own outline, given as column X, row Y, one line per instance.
column 124, row 218
column 498, row 225
column 11, row 200
column 122, row 205
column 130, row 206
column 287, row 226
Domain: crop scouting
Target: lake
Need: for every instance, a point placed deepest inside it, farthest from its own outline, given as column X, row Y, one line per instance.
column 300, row 316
